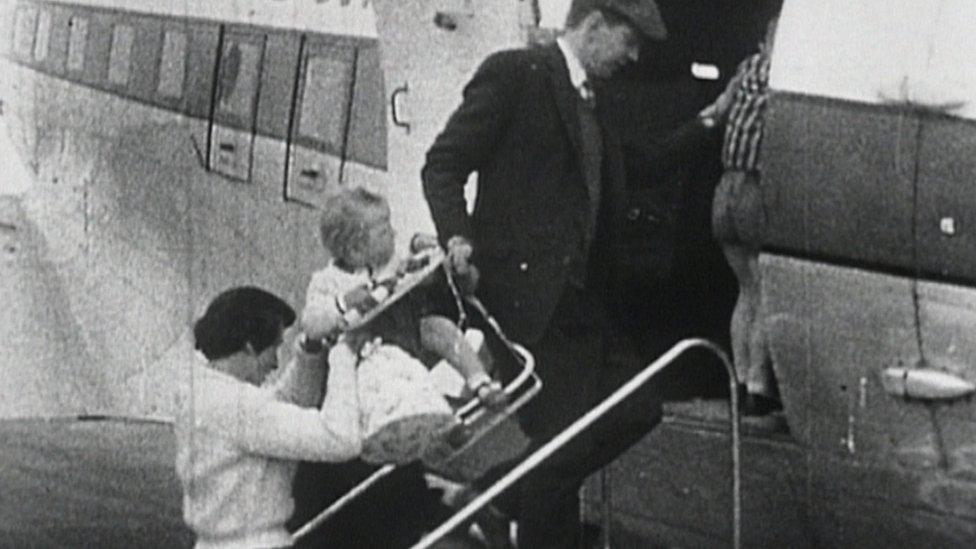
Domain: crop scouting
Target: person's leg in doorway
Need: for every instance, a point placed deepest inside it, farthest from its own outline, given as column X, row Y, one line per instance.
column 738, row 222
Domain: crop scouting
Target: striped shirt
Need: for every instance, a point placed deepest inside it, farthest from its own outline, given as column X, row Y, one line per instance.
column 744, row 129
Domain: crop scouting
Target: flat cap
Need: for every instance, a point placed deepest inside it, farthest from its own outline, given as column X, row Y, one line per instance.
column 643, row 15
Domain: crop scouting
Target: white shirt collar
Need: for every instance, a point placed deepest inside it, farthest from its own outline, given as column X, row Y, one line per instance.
column 577, row 75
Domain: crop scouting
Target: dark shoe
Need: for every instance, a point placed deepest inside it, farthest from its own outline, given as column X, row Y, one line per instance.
column 758, row 405
column 743, row 395
column 591, row 536
column 495, row 527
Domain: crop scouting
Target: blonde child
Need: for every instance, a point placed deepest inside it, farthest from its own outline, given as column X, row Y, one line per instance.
column 356, row 233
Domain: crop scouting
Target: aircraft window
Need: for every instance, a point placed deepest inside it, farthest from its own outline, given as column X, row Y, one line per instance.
column 239, row 76
column 367, row 130
column 325, row 97
column 76, row 43
column 120, row 55
column 43, row 36
column 24, row 31
column 172, row 65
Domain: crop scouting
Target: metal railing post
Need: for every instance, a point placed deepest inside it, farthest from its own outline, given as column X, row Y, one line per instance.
column 607, row 501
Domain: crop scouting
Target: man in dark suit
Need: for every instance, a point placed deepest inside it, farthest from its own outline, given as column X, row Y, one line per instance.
column 551, row 202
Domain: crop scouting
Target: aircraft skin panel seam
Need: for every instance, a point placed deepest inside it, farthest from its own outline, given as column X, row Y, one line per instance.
column 831, row 167
column 868, row 266
column 292, row 113
column 881, row 108
column 923, row 183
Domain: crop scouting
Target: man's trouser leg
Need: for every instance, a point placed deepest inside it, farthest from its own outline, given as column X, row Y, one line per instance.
column 568, row 358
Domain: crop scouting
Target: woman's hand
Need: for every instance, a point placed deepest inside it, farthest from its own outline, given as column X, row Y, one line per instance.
column 321, row 323
column 360, row 299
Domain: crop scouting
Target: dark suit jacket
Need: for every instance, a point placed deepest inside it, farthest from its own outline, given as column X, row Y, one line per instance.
column 518, row 127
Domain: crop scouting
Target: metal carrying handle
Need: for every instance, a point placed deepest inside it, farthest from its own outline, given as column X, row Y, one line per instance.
column 394, row 107
column 592, row 416
column 512, row 347
column 456, row 293
column 473, row 409
column 525, row 378
column 520, row 353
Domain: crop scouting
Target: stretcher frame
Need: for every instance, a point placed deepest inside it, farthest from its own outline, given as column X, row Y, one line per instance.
column 519, row 391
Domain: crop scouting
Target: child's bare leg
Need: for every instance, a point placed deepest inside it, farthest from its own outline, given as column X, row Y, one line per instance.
column 751, row 358
column 760, row 379
column 744, row 314
column 738, row 220
column 442, row 337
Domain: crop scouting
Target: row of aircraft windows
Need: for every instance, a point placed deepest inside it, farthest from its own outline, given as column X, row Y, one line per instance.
column 172, row 67
column 332, row 73
column 32, row 39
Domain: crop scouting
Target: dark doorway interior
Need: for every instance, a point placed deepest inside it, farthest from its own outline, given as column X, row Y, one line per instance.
column 647, row 103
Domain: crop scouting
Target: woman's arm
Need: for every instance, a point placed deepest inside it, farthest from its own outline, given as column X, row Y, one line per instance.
column 261, row 424
column 302, row 380
column 323, row 314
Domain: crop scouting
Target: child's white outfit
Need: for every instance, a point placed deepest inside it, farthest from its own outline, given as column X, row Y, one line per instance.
column 401, row 409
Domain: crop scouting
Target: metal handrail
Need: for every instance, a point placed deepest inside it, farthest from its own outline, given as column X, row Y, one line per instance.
column 474, row 408
column 560, row 440
column 331, row 510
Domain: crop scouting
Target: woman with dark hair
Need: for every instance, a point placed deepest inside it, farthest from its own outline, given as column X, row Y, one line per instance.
column 240, row 432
